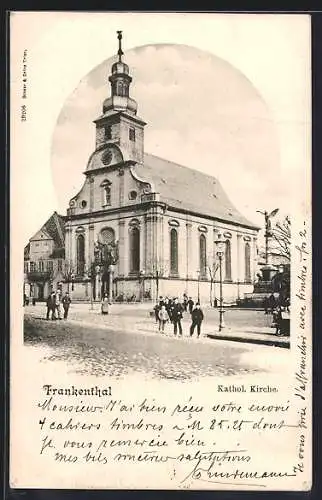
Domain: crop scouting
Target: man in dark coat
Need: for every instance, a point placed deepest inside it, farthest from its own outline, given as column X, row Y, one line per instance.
column 185, row 302
column 271, row 303
column 190, row 305
column 168, row 306
column 197, row 318
column 51, row 303
column 66, row 304
column 176, row 317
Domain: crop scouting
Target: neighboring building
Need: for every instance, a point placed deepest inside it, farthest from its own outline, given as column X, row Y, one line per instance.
column 44, row 258
column 159, row 218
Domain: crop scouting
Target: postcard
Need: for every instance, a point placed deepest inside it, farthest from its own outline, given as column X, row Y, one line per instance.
column 161, row 333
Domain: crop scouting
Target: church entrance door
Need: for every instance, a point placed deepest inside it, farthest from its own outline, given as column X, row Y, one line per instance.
column 40, row 291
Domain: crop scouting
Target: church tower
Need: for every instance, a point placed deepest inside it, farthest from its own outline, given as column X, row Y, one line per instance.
column 119, row 123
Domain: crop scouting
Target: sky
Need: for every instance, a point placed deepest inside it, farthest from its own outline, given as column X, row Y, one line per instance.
column 228, row 96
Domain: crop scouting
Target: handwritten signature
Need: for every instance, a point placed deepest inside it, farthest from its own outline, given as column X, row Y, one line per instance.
column 211, row 475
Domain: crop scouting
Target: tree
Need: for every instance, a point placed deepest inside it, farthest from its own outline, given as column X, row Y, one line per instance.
column 68, row 272
column 159, row 269
column 281, row 234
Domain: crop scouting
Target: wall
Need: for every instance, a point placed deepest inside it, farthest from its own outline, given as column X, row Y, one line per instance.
column 40, row 249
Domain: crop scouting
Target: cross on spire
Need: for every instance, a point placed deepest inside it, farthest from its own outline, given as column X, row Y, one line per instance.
column 120, row 51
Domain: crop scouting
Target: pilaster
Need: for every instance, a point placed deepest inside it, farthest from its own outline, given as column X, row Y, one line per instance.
column 121, row 261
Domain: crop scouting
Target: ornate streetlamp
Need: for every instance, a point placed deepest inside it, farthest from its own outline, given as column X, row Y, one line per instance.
column 91, row 276
column 220, row 253
column 141, row 279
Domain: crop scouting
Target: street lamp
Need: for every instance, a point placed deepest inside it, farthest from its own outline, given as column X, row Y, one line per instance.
column 198, row 273
column 142, row 273
column 91, row 276
column 220, row 253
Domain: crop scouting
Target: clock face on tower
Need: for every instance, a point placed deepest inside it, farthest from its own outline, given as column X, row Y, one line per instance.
column 107, row 157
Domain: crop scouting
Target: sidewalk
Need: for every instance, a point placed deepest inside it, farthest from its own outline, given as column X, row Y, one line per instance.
column 140, row 322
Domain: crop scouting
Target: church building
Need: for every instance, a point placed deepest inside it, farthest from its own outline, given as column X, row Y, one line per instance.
column 142, row 226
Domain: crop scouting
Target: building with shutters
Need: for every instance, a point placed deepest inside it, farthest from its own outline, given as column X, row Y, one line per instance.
column 44, row 258
column 157, row 221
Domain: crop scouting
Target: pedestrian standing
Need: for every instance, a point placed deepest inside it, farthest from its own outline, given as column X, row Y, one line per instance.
column 66, row 304
column 197, row 317
column 272, row 303
column 168, row 306
column 51, row 305
column 105, row 305
column 278, row 317
column 176, row 317
column 156, row 309
column 58, row 304
column 190, row 304
column 163, row 318
column 185, row 302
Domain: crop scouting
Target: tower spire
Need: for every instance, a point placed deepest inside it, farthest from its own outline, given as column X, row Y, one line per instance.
column 120, row 51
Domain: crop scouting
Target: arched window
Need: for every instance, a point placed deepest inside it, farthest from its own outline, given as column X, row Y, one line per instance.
column 107, row 195
column 134, row 250
column 80, row 254
column 173, row 251
column 202, row 256
column 107, row 235
column 106, row 189
column 228, row 261
column 247, row 262
column 119, row 88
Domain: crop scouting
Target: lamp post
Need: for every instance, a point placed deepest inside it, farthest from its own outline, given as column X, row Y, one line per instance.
column 91, row 276
column 220, row 253
column 142, row 273
column 198, row 273
column 97, row 281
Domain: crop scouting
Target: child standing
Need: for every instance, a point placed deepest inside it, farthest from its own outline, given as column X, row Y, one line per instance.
column 163, row 318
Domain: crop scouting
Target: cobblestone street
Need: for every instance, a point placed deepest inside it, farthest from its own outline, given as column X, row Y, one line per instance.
column 127, row 340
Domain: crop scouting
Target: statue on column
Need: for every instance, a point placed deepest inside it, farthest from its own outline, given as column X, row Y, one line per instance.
column 106, row 256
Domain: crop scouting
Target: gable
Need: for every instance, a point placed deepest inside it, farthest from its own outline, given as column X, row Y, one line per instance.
column 41, row 235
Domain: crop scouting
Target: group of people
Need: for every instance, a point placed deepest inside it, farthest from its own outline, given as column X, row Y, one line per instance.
column 55, row 302
column 170, row 310
column 279, row 308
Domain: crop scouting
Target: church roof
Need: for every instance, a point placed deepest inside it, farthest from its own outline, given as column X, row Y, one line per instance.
column 54, row 227
column 187, row 189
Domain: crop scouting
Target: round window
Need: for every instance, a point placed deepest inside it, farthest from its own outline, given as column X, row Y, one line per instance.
column 133, row 195
column 84, row 203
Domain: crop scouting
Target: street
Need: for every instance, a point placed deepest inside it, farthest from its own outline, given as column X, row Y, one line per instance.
column 127, row 340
